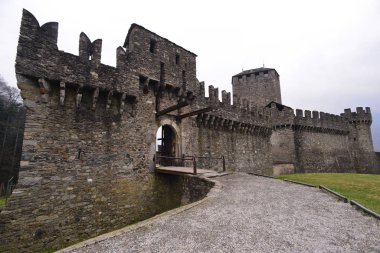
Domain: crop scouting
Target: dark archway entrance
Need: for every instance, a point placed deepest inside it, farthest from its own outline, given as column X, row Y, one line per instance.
column 166, row 145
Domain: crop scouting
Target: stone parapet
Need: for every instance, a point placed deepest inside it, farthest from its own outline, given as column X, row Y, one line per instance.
column 239, row 116
column 360, row 116
column 320, row 121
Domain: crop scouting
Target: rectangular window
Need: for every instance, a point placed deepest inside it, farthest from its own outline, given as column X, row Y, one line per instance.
column 162, row 74
column 153, row 46
column 184, row 80
column 177, row 59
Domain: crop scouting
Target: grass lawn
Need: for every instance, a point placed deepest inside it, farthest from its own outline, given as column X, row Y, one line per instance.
column 363, row 188
column 2, row 202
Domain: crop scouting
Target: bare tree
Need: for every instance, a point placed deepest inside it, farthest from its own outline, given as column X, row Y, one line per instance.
column 12, row 119
column 9, row 96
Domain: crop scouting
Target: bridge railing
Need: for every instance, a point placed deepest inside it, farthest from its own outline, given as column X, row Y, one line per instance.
column 158, row 160
column 210, row 158
column 164, row 160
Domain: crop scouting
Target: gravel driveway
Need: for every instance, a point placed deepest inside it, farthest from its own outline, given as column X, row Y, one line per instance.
column 254, row 214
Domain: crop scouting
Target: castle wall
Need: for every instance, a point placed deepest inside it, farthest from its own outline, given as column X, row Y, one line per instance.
column 242, row 152
column 89, row 143
column 322, row 152
column 282, row 138
column 239, row 132
column 283, row 150
column 321, row 143
column 84, row 172
column 88, row 152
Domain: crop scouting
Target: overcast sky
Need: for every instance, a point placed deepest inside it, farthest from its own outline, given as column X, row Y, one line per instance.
column 326, row 52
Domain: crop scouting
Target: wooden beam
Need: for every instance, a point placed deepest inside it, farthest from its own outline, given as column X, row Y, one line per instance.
column 172, row 108
column 189, row 114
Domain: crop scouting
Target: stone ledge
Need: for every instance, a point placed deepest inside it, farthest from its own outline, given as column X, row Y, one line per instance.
column 295, row 182
column 369, row 211
column 260, row 175
column 345, row 200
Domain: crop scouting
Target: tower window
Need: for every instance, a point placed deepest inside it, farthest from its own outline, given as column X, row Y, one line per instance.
column 153, row 46
column 162, row 74
column 184, row 79
column 177, row 59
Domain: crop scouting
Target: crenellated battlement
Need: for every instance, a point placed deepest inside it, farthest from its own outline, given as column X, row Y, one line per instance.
column 149, row 63
column 254, row 74
column 242, row 112
column 281, row 116
column 146, row 54
column 32, row 31
column 213, row 94
column 320, row 121
column 216, row 121
column 361, row 116
column 90, row 50
column 226, row 97
column 38, row 56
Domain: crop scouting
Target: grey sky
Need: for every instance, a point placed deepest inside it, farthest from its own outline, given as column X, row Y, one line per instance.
column 326, row 52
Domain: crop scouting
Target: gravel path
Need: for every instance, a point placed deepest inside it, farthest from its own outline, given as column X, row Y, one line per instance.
column 254, row 214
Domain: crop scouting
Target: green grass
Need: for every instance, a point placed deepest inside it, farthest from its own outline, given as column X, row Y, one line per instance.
column 2, row 202
column 363, row 188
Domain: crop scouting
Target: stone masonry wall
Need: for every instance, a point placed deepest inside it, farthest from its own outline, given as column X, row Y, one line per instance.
column 239, row 132
column 247, row 153
column 282, row 138
column 322, row 152
column 283, row 150
column 321, row 143
column 82, row 170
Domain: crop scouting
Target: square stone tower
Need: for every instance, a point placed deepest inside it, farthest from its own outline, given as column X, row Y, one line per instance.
column 259, row 86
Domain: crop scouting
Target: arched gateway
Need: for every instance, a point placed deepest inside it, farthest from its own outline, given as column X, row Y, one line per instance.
column 167, row 144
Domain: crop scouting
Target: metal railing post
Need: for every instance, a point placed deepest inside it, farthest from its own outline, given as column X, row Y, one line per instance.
column 224, row 163
column 194, row 166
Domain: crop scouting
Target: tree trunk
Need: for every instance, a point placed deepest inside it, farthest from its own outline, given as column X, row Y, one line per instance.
column 3, row 144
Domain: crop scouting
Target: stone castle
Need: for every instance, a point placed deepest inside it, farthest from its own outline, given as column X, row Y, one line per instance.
column 89, row 126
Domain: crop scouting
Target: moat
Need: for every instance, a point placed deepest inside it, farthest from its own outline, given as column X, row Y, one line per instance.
column 97, row 211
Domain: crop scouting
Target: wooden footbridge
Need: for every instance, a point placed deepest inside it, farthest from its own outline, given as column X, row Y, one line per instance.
column 177, row 165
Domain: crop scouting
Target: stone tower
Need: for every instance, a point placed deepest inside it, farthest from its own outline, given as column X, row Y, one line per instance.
column 360, row 138
column 259, row 86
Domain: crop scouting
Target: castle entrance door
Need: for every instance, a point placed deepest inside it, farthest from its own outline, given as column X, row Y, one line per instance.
column 166, row 145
